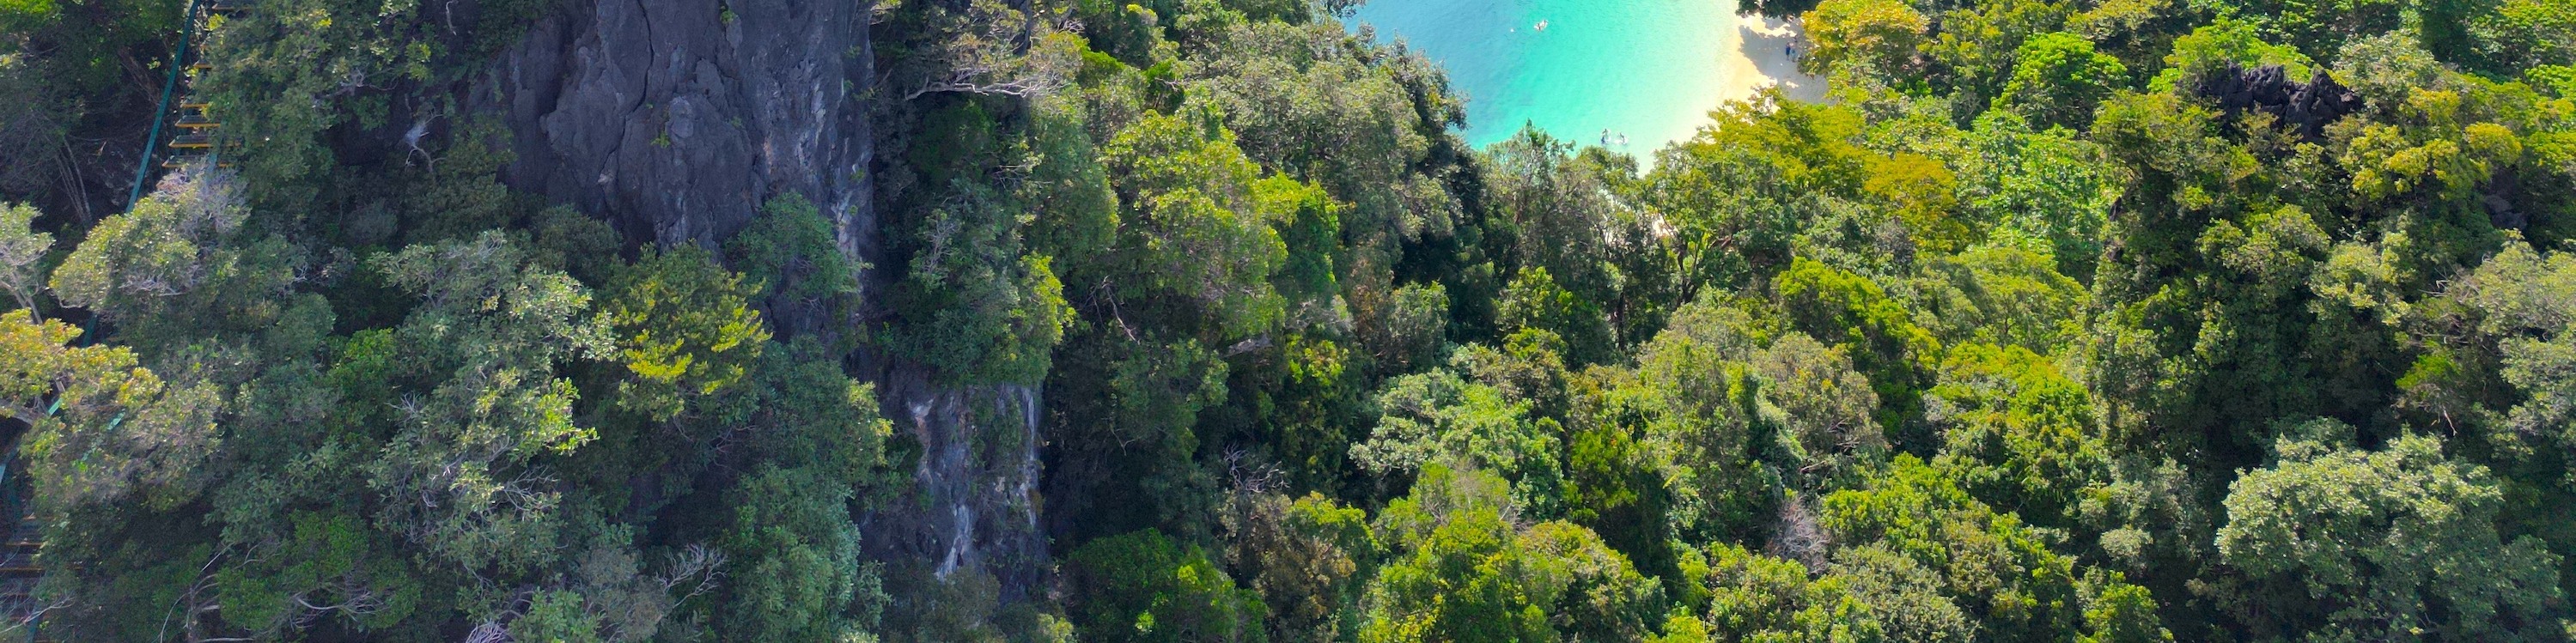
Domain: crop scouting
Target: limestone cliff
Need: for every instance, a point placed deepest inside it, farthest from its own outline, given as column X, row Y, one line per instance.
column 675, row 120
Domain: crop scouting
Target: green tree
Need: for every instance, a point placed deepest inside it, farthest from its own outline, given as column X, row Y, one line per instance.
column 1436, row 417
column 2045, row 192
column 795, row 558
column 1851, row 311
column 1750, row 594
column 182, row 265
column 1410, row 328
column 1998, row 295
column 1922, row 193
column 1187, row 282
column 2522, row 34
column 1306, row 559
column 1703, row 410
column 1077, row 213
column 1827, row 405
column 1978, row 44
column 2209, row 51
column 1352, row 121
column 1311, row 228
column 1614, row 489
column 2431, row 152
column 325, row 559
column 2515, row 309
column 2335, row 542
column 1142, row 586
column 684, row 330
column 978, row 307
column 1463, row 571
column 75, row 70
column 1912, row 521
column 102, row 429
column 1866, row 593
column 1552, row 206
column 787, row 539
column 2058, row 79
column 487, row 337
column 287, row 79
column 557, row 617
column 1305, row 407
column 1881, row 34
column 2018, row 433
column 1739, row 194
column 791, row 253
column 21, row 248
column 1191, row 235
column 1535, row 302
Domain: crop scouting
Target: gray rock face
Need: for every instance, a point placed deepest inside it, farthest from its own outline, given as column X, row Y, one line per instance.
column 973, row 502
column 676, row 119
column 2308, row 107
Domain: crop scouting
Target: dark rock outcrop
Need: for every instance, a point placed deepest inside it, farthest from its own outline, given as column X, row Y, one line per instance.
column 973, row 502
column 2307, row 106
column 676, row 119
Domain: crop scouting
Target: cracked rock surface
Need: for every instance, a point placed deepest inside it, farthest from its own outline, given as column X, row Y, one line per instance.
column 675, row 119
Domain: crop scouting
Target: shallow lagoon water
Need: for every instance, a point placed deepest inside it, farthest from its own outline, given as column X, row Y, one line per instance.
column 1646, row 69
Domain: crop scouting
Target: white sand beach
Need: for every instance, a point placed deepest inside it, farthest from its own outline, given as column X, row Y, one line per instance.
column 1629, row 75
column 1760, row 59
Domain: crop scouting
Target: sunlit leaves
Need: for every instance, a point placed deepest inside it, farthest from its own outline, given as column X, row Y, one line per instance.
column 683, row 328
column 20, row 248
column 2058, row 78
column 490, row 333
column 1879, row 33
column 101, row 425
column 1143, row 587
column 2432, row 150
column 1192, row 232
column 1436, row 417
column 1463, row 571
column 2399, row 541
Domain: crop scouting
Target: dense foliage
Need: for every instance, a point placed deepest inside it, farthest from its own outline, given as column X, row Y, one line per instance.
column 2097, row 320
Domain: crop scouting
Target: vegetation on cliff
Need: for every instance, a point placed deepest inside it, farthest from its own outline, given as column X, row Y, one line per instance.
column 2063, row 320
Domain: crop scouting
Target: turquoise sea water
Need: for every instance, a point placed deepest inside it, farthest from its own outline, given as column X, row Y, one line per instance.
column 1643, row 68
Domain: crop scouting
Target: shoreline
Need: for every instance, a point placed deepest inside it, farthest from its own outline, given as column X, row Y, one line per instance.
column 1757, row 61
column 1630, row 77
column 1750, row 58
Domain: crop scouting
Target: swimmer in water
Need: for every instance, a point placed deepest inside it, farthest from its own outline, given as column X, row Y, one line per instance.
column 1542, row 26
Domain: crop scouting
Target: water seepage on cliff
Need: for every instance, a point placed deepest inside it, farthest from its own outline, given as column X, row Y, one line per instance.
column 675, row 120
column 974, row 505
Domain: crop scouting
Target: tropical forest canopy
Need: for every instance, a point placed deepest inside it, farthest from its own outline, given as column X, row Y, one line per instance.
column 2072, row 320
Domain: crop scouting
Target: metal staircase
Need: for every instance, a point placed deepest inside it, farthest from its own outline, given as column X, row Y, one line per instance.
column 196, row 139
column 20, row 542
